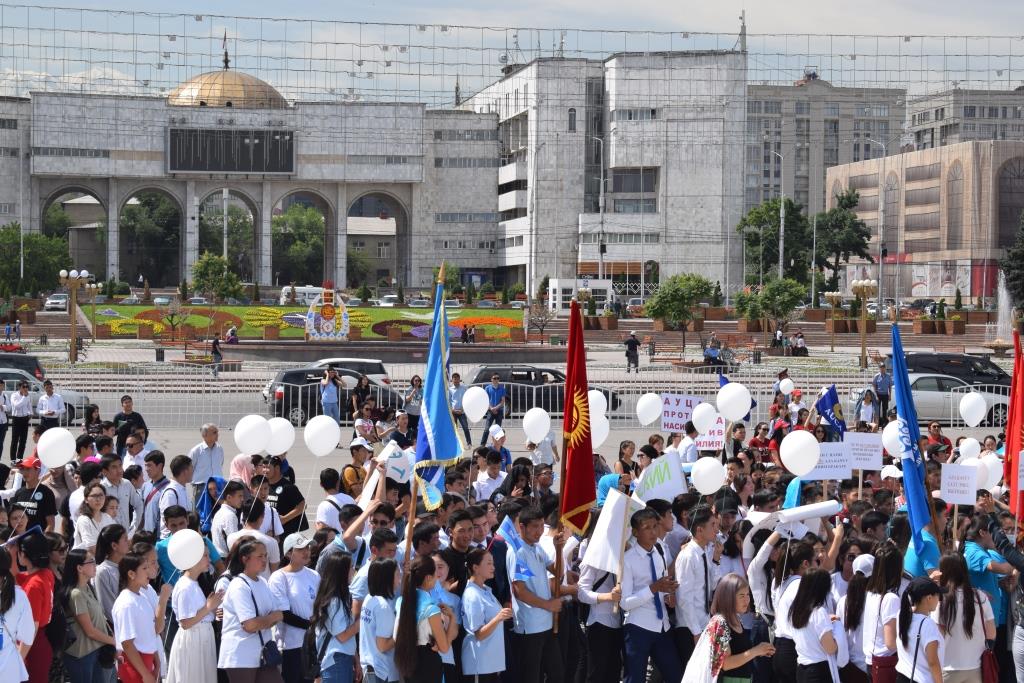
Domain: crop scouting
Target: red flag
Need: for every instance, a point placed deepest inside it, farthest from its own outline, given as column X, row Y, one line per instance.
column 579, row 490
column 1014, row 427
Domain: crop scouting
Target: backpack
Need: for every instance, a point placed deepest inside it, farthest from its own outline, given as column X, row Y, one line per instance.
column 311, row 656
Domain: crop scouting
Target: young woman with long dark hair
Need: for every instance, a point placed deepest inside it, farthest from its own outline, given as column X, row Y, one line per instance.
column 86, row 618
column 377, row 622
column 136, row 633
column 112, row 545
column 965, row 619
column 812, row 628
column 850, row 610
column 91, row 518
column 792, row 564
column 419, row 633
column 38, row 582
column 250, row 610
column 333, row 621
column 920, row 644
column 193, row 657
column 881, row 613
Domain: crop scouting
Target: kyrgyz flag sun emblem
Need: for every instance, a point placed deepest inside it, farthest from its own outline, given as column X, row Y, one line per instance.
column 579, row 418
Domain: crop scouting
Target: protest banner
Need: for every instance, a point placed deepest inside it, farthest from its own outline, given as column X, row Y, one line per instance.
column 663, row 479
column 714, row 440
column 834, row 463
column 959, row 484
column 604, row 551
column 676, row 410
column 865, row 449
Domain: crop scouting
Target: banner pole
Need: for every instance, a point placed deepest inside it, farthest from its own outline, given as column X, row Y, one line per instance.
column 860, row 483
column 622, row 554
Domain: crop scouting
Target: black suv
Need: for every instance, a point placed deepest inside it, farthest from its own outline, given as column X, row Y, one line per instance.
column 528, row 386
column 970, row 369
column 22, row 361
column 295, row 394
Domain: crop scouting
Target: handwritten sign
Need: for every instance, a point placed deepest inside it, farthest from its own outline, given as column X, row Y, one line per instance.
column 959, row 484
column 834, row 463
column 663, row 479
column 676, row 410
column 714, row 440
column 865, row 449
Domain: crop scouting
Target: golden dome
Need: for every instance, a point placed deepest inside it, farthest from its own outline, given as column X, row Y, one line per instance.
column 226, row 88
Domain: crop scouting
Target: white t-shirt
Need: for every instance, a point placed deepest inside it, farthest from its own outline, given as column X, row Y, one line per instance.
column 783, row 599
column 87, row 530
column 297, row 590
column 929, row 630
column 874, row 625
column 808, row 638
column 17, row 626
column 134, row 617
column 273, row 551
column 963, row 653
column 854, row 638
column 187, row 600
column 225, row 523
column 544, row 453
column 75, row 500
column 238, row 649
column 172, row 494
column 271, row 525
column 839, row 587
column 328, row 509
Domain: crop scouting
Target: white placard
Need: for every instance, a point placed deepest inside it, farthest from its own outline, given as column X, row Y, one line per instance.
column 834, row 463
column 959, row 484
column 714, row 440
column 865, row 449
column 676, row 410
column 662, row 479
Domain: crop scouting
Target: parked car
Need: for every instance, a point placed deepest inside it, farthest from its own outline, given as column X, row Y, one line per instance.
column 56, row 302
column 295, row 395
column 130, row 300
column 969, row 368
column 635, row 307
column 372, row 368
column 486, row 303
column 24, row 362
column 937, row 398
column 161, row 301
column 73, row 400
column 517, row 304
column 198, row 301
column 530, row 386
column 388, row 301
column 353, row 302
column 419, row 303
column 452, row 303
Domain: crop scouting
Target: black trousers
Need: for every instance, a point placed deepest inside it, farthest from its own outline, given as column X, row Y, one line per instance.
column 291, row 666
column 19, row 437
column 569, row 641
column 813, row 673
column 539, row 658
column 604, row 654
column 49, row 422
column 784, row 661
column 685, row 644
column 762, row 666
column 883, row 405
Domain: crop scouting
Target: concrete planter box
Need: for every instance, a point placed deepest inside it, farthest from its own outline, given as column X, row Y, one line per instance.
column 978, row 317
column 922, row 326
column 854, row 325
column 355, row 333
column 816, row 315
column 518, row 335
column 748, row 325
column 660, row 325
column 695, row 325
column 271, row 332
column 940, row 327
column 103, row 331
column 608, row 322
column 956, row 327
column 715, row 313
column 394, row 334
column 837, row 326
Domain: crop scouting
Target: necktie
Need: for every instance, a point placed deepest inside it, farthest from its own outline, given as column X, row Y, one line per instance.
column 707, row 599
column 657, row 596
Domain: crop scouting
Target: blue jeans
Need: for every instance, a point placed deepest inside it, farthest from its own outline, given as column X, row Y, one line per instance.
column 86, row 669
column 332, row 409
column 337, row 668
column 641, row 644
column 491, row 419
column 459, row 417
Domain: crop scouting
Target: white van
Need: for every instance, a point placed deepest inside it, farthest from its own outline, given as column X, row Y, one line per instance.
column 304, row 296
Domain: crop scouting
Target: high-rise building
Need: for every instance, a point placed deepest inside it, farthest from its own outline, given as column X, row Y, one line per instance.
column 956, row 115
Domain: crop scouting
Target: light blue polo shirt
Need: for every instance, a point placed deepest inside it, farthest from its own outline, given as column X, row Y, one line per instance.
column 377, row 620
column 531, row 619
column 485, row 656
column 919, row 565
column 443, row 597
column 359, row 588
column 339, row 621
column 978, row 559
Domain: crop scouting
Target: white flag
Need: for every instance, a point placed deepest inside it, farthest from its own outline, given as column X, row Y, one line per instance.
column 611, row 532
column 663, row 479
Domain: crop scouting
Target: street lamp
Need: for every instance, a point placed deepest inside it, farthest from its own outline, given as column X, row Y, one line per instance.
column 864, row 290
column 782, row 207
column 74, row 281
column 834, row 299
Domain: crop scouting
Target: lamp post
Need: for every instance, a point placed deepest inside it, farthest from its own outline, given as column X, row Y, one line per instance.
column 782, row 209
column 834, row 299
column 864, row 290
column 94, row 289
column 74, row 281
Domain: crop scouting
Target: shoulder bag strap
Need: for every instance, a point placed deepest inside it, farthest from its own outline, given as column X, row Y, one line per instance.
column 255, row 604
column 913, row 666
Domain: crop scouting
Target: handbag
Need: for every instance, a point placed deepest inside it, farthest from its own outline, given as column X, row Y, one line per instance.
column 989, row 662
column 883, row 667
column 269, row 654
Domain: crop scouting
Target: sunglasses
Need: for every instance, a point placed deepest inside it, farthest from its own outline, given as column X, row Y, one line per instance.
column 851, row 557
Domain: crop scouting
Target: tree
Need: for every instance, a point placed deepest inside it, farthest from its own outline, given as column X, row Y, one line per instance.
column 45, row 257
column 760, row 229
column 183, row 293
column 364, row 292
column 298, row 241
column 241, row 238
column 958, row 301
column 542, row 288
column 505, row 297
column 212, row 276
column 748, row 305
column 1013, row 268
column 716, row 296
column 676, row 297
column 56, row 221
column 150, row 229
column 539, row 317
column 470, row 293
column 841, row 236
column 174, row 314
column 400, row 294
column 452, row 279
column 779, row 299
column 357, row 267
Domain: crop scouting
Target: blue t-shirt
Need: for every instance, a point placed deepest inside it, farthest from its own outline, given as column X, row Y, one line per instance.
column 443, row 597
column 377, row 620
column 530, row 619
column 359, row 587
column 485, row 656
column 919, row 566
column 338, row 620
column 168, row 572
column 978, row 559
column 425, row 608
column 495, row 394
column 329, row 393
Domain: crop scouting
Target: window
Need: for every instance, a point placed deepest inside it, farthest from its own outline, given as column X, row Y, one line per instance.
column 803, row 108
column 923, row 196
column 6, row 209
column 379, row 159
column 921, row 221
column 8, row 151
column 466, row 217
column 859, row 182
column 1011, row 200
column 8, row 124
column 466, row 162
column 572, row 120
column 649, row 205
column 382, row 249
column 831, row 109
column 634, row 180
column 450, row 135
column 753, row 106
column 970, row 112
column 358, row 245
column 634, row 114
column 773, row 107
column 71, row 152
column 993, row 112
column 955, row 207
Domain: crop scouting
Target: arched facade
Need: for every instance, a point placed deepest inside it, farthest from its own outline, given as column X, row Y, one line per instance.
column 290, row 261
column 1011, row 201
column 243, row 243
column 378, row 228
column 150, row 238
column 955, row 206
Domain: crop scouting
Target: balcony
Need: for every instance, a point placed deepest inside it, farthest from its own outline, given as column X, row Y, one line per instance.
column 512, row 200
column 515, row 171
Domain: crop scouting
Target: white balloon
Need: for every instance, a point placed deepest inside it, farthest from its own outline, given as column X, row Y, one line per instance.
column 982, row 471
column 475, row 403
column 970, row 448
column 704, row 417
column 349, row 382
column 648, row 408
column 597, row 402
column 708, row 475
column 185, row 549
column 733, row 401
column 282, row 435
column 599, row 430
column 995, row 470
column 800, row 452
column 536, row 424
column 56, row 447
column 973, row 408
column 322, row 435
column 891, row 438
column 252, row 433
column 786, row 386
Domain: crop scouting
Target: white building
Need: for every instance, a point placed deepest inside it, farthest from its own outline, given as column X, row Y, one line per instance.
column 954, row 116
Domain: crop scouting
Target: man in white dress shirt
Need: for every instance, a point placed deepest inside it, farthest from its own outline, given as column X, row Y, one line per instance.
column 688, row 446
column 696, row 568
column 21, row 413
column 207, row 458
column 50, row 407
column 225, row 521
column 648, row 591
column 175, row 492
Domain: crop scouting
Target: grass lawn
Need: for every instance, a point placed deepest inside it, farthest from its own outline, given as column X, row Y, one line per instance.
column 250, row 320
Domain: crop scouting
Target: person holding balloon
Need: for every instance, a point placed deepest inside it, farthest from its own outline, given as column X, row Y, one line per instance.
column 193, row 657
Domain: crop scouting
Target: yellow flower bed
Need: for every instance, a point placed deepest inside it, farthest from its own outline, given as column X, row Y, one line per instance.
column 264, row 316
column 131, row 325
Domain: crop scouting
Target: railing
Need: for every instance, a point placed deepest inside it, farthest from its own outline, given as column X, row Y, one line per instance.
column 997, row 397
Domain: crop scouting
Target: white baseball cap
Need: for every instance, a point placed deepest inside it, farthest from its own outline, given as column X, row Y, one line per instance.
column 496, row 432
column 359, row 441
column 865, row 564
column 296, row 541
column 891, row 472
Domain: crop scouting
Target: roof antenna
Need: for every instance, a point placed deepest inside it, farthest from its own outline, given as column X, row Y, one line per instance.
column 224, row 46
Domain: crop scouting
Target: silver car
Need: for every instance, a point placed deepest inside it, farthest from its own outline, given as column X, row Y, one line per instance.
column 73, row 400
column 937, row 398
column 56, row 302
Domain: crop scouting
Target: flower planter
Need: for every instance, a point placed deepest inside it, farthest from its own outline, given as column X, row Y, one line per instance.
column 837, row 326
column 940, row 327
column 394, row 334
column 854, row 325
column 748, row 325
column 355, row 333
column 924, row 326
column 956, row 327
column 144, row 332
column 517, row 335
column 695, row 325
column 978, row 317
column 103, row 331
column 715, row 313
column 591, row 322
column 609, row 322
column 27, row 317
column 271, row 332
column 816, row 315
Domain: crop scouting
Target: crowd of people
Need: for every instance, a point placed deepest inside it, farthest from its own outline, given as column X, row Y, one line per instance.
column 371, row 585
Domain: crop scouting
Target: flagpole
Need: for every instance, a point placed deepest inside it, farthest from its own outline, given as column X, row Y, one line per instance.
column 622, row 553
column 411, row 517
column 559, row 568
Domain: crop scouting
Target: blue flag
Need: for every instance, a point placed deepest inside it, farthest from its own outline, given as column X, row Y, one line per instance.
column 438, row 440
column 722, row 381
column 794, row 494
column 831, row 408
column 910, row 436
column 507, row 530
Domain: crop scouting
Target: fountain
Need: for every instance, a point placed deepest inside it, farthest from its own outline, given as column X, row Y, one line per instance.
column 998, row 339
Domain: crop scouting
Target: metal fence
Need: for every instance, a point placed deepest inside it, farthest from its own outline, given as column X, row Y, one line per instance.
column 997, row 397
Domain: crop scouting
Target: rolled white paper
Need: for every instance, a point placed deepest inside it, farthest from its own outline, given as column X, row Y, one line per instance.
column 829, row 508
